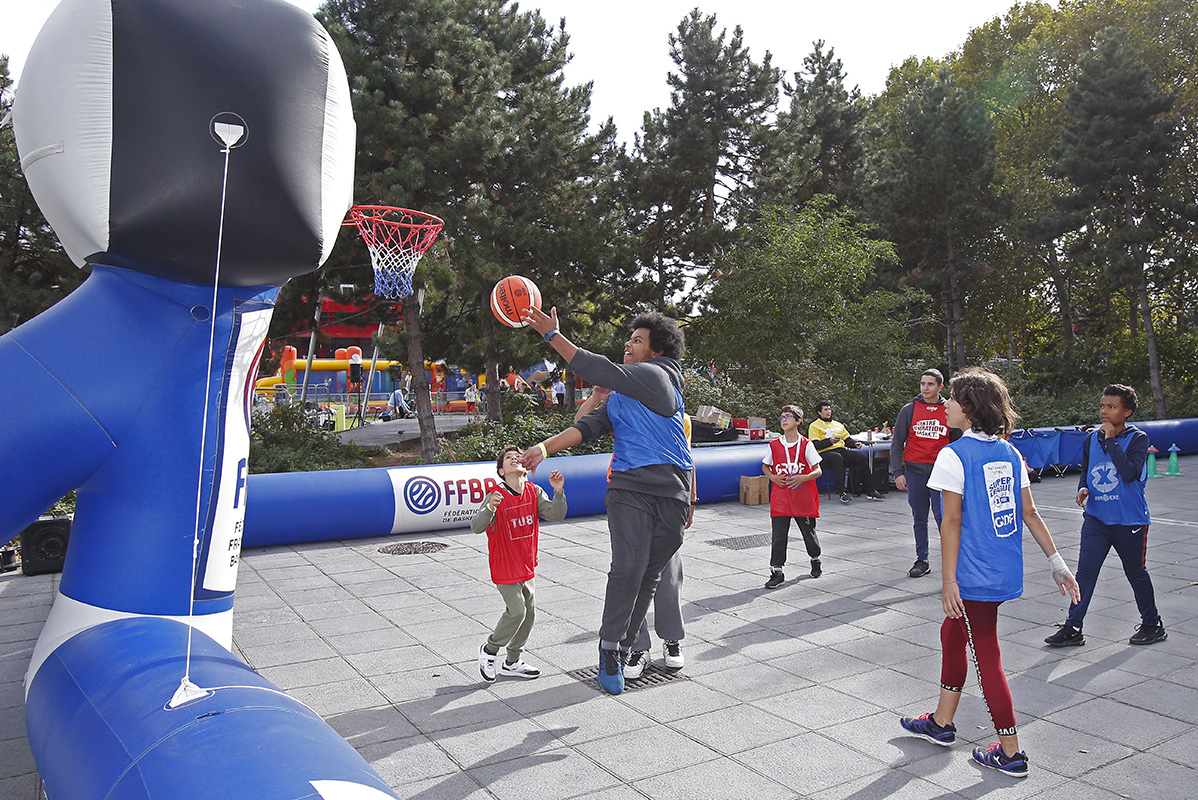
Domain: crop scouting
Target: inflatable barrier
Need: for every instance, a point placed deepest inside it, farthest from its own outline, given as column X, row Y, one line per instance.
column 357, row 503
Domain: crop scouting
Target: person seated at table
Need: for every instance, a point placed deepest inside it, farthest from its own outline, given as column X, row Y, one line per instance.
column 840, row 452
column 397, row 407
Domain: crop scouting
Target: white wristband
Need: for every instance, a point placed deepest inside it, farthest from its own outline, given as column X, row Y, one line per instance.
column 1057, row 562
column 544, row 452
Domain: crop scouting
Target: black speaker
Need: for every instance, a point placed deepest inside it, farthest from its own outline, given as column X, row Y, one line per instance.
column 44, row 546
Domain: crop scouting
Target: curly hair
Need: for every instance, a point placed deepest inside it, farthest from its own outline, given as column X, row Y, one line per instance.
column 793, row 410
column 984, row 398
column 664, row 334
column 1126, row 395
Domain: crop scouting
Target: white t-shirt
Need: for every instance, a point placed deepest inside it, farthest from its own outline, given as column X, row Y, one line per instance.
column 948, row 474
column 792, row 454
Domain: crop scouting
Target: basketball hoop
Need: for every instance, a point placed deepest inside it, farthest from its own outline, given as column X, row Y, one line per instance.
column 397, row 239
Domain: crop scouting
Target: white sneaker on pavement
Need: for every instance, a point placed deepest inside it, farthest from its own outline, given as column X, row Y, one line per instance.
column 486, row 663
column 519, row 670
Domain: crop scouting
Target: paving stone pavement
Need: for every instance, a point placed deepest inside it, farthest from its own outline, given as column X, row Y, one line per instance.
column 788, row 693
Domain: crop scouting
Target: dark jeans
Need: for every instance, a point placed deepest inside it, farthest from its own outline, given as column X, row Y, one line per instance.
column 839, row 459
column 920, row 498
column 1131, row 543
column 645, row 533
column 781, row 536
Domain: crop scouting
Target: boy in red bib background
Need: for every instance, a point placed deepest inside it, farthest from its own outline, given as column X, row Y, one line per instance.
column 792, row 465
column 510, row 518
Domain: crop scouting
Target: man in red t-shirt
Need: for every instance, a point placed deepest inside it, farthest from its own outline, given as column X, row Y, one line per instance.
column 920, row 431
column 510, row 517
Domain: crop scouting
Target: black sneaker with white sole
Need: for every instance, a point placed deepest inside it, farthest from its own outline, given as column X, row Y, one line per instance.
column 1066, row 636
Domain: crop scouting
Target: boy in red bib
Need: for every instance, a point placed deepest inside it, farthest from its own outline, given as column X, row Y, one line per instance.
column 510, row 518
column 792, row 465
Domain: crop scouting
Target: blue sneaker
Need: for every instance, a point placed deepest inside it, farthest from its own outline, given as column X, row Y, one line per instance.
column 611, row 671
column 994, row 758
column 925, row 726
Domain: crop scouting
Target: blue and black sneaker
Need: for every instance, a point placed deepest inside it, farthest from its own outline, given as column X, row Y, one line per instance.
column 994, row 758
column 925, row 726
column 611, row 671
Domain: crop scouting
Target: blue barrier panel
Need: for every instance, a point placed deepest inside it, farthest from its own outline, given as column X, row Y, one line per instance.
column 349, row 504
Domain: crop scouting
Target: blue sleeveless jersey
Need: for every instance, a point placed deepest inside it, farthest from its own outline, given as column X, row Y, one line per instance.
column 990, row 564
column 644, row 437
column 1113, row 500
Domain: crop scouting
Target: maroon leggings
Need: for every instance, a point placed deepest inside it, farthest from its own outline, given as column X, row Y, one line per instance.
column 979, row 630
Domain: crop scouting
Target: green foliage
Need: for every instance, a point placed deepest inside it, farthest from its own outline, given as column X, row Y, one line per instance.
column 810, row 327
column 482, row 441
column 64, row 506
column 283, row 440
column 35, row 272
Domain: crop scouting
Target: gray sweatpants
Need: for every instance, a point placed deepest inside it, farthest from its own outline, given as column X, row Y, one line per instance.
column 645, row 531
column 667, row 607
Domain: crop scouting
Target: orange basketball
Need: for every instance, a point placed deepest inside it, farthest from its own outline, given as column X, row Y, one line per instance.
column 511, row 297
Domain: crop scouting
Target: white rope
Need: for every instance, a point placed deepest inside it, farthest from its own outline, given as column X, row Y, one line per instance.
column 187, row 690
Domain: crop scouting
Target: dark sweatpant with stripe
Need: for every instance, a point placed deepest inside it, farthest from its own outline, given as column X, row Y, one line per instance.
column 1131, row 543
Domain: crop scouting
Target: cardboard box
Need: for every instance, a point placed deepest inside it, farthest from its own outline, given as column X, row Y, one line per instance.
column 713, row 416
column 755, row 423
column 754, row 490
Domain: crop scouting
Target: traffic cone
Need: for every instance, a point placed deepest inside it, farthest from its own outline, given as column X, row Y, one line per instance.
column 1174, row 468
column 1152, row 451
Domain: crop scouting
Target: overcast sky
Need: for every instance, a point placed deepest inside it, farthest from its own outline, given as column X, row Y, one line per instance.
column 622, row 45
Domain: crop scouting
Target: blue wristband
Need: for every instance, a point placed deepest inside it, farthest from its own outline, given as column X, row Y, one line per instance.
column 550, row 334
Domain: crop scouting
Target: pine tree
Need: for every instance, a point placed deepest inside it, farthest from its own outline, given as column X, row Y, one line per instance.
column 1115, row 149
column 696, row 155
column 815, row 146
column 936, row 194
column 462, row 112
column 35, row 272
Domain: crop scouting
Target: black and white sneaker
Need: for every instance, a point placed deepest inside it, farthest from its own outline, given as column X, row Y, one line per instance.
column 919, row 569
column 486, row 663
column 637, row 661
column 519, row 670
column 844, row 498
column 671, row 651
column 817, row 568
column 776, row 579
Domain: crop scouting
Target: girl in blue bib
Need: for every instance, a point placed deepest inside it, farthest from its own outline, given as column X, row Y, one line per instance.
column 984, row 488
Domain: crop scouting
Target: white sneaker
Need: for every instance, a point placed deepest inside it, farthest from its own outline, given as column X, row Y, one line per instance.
column 672, row 654
column 635, row 667
column 519, row 670
column 486, row 663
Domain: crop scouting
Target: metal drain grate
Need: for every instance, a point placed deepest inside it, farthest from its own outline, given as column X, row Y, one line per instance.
column 413, row 548
column 652, row 676
column 746, row 542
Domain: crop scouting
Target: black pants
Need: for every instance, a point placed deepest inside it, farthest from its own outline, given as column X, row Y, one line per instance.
column 781, row 535
column 839, row 459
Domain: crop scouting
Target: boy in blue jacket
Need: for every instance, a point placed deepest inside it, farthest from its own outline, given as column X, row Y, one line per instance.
column 1111, row 490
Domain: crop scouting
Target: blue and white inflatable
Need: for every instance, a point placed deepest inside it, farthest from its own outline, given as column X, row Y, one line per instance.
column 197, row 155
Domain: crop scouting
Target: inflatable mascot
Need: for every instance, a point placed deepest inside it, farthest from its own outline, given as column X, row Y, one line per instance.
column 197, row 155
